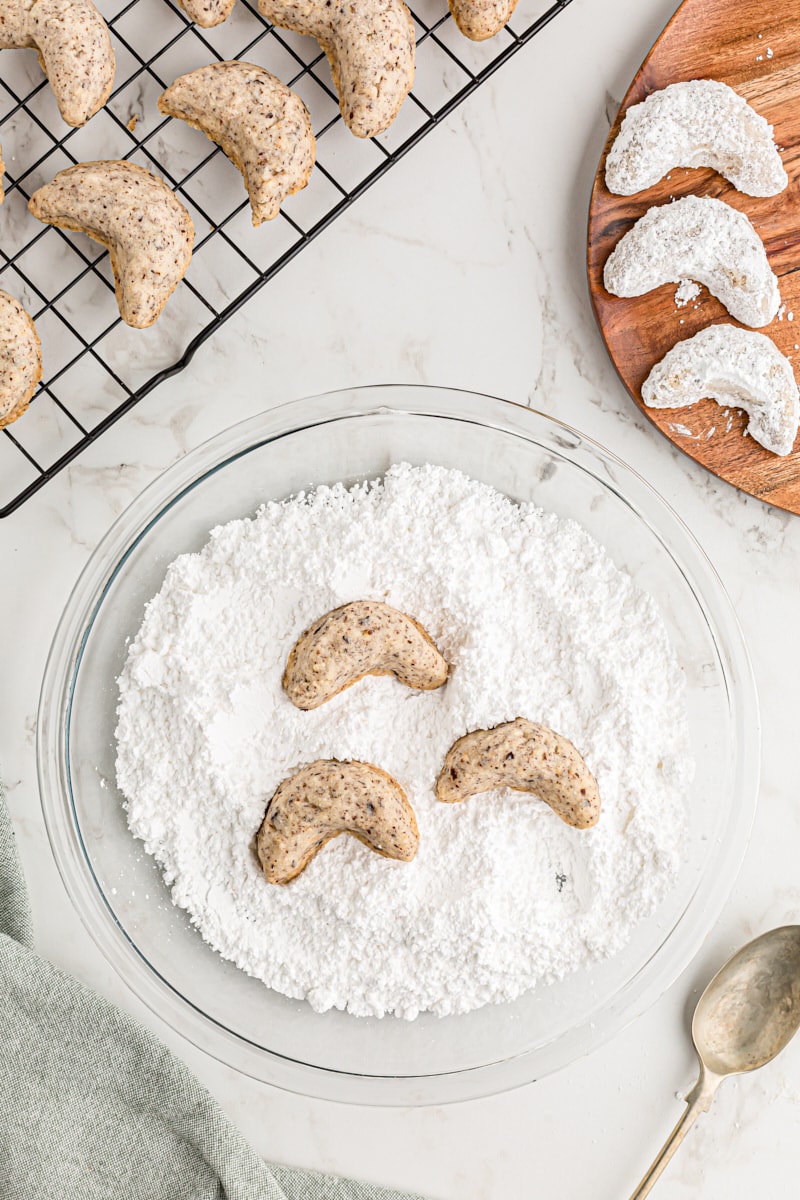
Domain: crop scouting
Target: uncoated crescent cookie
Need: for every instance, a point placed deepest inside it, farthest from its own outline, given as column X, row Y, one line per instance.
column 137, row 217
column 260, row 124
column 207, row 13
column 20, row 359
column 74, row 47
column 481, row 19
column 370, row 46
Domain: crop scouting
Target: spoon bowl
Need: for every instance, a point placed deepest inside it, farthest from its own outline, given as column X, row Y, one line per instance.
column 747, row 1014
column 751, row 1008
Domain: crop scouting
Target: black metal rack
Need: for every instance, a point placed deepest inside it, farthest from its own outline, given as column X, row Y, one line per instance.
column 96, row 368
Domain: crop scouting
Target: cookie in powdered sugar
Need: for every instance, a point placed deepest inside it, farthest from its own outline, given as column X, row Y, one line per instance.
column 260, row 124
column 704, row 240
column 20, row 359
column 739, row 369
column 701, row 123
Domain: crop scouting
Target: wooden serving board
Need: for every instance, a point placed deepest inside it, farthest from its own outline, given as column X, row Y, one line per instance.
column 727, row 40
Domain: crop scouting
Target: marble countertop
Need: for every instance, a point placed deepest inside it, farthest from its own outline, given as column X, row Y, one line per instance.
column 464, row 266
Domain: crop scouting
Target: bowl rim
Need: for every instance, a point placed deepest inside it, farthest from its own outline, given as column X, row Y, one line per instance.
column 73, row 862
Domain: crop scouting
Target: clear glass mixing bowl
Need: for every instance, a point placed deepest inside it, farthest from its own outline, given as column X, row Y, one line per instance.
column 117, row 888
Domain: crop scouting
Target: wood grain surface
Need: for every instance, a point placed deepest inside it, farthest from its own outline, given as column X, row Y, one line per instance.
column 731, row 42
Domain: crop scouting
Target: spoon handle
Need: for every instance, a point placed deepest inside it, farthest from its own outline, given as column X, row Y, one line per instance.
column 698, row 1101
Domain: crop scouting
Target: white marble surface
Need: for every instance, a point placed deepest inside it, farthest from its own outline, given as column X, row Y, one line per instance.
column 464, row 266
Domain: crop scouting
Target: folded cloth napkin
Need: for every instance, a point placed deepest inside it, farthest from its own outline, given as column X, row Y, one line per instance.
column 94, row 1107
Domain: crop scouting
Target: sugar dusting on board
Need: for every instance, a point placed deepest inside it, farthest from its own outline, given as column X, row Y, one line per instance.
column 537, row 622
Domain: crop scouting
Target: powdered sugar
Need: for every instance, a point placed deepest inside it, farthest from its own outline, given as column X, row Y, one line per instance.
column 685, row 292
column 537, row 622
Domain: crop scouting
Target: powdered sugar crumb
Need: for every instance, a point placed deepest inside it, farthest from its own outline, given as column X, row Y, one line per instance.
column 536, row 620
column 686, row 291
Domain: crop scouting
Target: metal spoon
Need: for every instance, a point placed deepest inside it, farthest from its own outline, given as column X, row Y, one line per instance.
column 747, row 1014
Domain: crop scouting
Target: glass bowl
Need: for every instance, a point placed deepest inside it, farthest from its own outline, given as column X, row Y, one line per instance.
column 117, row 888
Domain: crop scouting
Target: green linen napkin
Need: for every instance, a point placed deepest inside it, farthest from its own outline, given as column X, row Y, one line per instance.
column 94, row 1107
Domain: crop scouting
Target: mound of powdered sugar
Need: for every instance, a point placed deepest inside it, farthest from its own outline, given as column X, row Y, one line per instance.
column 537, row 622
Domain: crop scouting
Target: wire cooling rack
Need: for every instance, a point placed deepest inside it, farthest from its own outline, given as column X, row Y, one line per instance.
column 95, row 367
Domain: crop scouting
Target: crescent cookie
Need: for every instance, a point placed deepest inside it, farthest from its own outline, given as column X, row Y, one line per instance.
column 525, row 757
column 207, row 13
column 481, row 19
column 262, row 126
column 328, row 798
column 739, row 369
column 701, row 239
column 74, row 50
column 365, row 637
column 20, row 359
column 147, row 231
column 370, row 46
column 701, row 123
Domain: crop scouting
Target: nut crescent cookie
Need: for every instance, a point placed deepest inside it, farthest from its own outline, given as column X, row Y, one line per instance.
column 481, row 19
column 328, row 798
column 702, row 239
column 260, row 124
column 207, row 13
column 366, row 637
column 370, row 46
column 701, row 123
column 525, row 757
column 74, row 50
column 738, row 368
column 20, row 359
column 145, row 228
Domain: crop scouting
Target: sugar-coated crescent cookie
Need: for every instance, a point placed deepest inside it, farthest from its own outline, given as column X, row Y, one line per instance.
column 262, row 126
column 700, row 123
column 325, row 799
column 703, row 239
column 207, row 13
column 738, row 368
column 20, row 359
column 74, row 50
column 525, row 757
column 481, row 19
column 370, row 46
column 137, row 217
